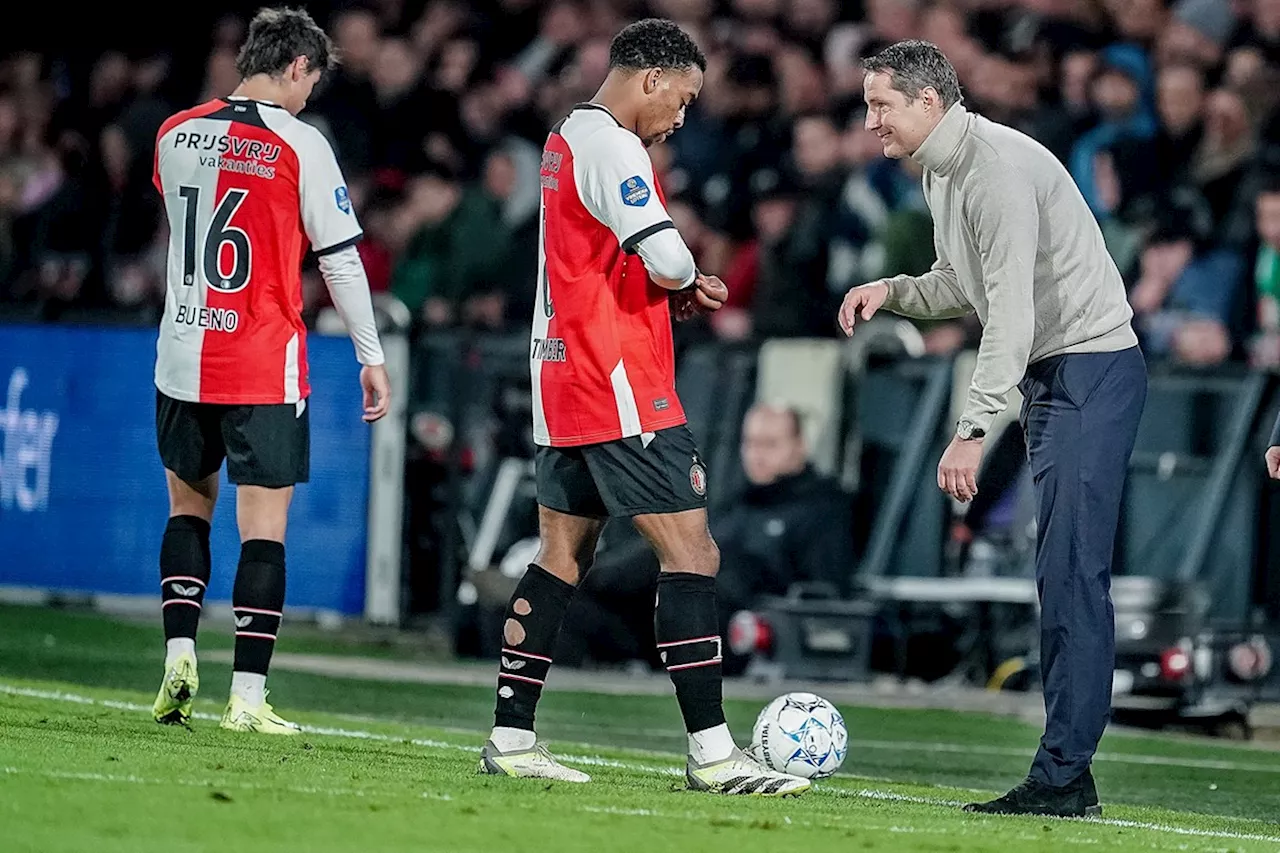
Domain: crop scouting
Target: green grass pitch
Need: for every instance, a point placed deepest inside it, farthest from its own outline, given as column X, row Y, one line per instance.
column 391, row 767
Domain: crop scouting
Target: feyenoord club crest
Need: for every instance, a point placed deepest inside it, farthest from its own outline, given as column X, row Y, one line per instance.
column 698, row 479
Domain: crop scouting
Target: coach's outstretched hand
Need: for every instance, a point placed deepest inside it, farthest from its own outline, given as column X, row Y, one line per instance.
column 377, row 391
column 1273, row 462
column 708, row 294
column 862, row 301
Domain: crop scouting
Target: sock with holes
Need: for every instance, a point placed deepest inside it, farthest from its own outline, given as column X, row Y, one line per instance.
column 184, row 577
column 687, row 630
column 529, row 635
column 257, row 601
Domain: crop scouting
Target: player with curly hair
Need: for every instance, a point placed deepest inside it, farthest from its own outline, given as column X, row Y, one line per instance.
column 610, row 428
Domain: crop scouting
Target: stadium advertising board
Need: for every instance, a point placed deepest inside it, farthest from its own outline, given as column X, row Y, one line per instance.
column 82, row 494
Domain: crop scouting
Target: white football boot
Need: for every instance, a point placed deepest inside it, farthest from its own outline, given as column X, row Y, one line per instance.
column 742, row 774
column 533, row 763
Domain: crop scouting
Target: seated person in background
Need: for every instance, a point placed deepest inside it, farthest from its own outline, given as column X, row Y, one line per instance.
column 789, row 524
column 1185, row 298
column 1264, row 348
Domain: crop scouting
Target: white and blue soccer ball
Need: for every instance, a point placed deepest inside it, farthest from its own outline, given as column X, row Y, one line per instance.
column 801, row 734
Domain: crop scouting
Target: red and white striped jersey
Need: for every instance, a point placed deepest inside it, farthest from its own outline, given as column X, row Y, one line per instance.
column 248, row 188
column 601, row 357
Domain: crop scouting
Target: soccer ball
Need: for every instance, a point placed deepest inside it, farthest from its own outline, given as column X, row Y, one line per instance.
column 801, row 734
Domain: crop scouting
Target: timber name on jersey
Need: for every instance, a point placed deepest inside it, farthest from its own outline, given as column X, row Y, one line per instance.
column 247, row 188
column 601, row 358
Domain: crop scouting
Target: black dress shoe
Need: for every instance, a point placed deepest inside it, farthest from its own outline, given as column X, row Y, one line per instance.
column 1077, row 799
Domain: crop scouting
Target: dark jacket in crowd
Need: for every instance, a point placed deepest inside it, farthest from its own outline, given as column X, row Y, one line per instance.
column 796, row 529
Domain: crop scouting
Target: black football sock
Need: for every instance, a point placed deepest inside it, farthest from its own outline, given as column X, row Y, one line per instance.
column 184, row 574
column 529, row 633
column 686, row 627
column 258, row 603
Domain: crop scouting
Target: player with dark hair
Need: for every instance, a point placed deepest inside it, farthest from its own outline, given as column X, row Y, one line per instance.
column 610, row 428
column 248, row 188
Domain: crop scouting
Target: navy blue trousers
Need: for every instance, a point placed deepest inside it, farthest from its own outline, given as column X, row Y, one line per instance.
column 1080, row 413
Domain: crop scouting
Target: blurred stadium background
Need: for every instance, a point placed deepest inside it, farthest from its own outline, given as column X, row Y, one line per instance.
column 846, row 570
column 410, row 535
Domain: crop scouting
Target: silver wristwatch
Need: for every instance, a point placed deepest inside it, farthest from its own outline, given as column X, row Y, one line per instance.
column 967, row 430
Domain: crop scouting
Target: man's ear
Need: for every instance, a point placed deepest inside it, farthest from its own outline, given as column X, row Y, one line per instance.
column 652, row 78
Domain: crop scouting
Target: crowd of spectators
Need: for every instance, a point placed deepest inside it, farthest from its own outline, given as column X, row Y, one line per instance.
column 1164, row 112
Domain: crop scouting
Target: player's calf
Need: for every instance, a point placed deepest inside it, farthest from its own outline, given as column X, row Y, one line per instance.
column 257, row 602
column 184, row 577
column 529, row 634
column 686, row 626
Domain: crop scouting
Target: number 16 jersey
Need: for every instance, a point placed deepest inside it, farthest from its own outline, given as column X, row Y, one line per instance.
column 248, row 188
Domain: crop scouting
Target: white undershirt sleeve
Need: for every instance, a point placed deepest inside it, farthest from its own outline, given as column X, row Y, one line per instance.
column 667, row 258
column 344, row 276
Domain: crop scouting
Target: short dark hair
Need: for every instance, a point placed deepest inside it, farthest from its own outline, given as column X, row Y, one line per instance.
column 655, row 43
column 1269, row 183
column 279, row 36
column 914, row 66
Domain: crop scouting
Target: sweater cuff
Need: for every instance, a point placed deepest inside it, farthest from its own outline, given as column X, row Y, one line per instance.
column 898, row 287
column 980, row 420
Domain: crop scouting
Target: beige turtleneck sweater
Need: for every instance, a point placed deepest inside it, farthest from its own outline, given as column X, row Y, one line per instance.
column 1016, row 243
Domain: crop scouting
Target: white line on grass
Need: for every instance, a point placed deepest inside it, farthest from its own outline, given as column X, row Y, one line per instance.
column 869, row 794
column 355, row 734
column 1114, row 757
column 701, row 817
column 890, row 796
column 210, row 785
column 829, row 821
column 189, row 783
column 896, row 745
column 595, row 760
column 825, row 822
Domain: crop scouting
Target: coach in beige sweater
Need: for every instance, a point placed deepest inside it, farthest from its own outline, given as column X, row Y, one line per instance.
column 1017, row 244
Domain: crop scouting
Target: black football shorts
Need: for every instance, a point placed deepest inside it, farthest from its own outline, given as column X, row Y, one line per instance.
column 652, row 474
column 264, row 445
